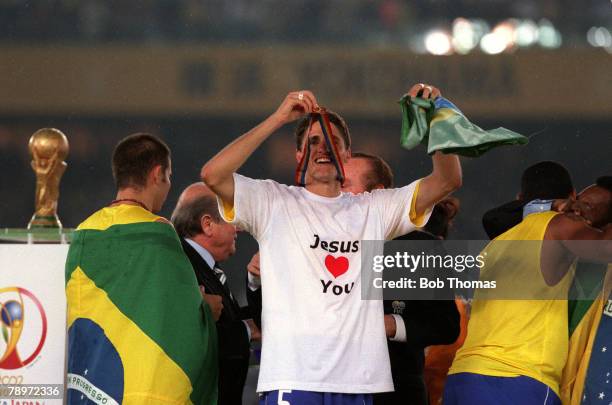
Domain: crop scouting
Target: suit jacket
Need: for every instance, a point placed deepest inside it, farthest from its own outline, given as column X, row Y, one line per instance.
column 254, row 300
column 427, row 323
column 499, row 219
column 234, row 345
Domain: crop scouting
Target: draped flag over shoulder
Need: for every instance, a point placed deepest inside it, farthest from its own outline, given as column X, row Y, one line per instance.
column 440, row 125
column 138, row 331
column 586, row 376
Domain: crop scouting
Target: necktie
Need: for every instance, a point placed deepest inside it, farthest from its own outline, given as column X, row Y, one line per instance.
column 220, row 274
column 222, row 278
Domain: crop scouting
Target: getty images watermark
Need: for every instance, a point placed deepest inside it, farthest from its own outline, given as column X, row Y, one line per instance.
column 422, row 262
column 442, row 270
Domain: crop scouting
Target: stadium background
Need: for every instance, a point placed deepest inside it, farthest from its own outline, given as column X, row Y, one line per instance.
column 201, row 72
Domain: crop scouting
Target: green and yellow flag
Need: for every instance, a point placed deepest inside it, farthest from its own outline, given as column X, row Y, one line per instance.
column 588, row 363
column 138, row 330
column 441, row 126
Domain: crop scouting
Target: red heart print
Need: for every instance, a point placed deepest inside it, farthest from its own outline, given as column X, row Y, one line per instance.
column 336, row 266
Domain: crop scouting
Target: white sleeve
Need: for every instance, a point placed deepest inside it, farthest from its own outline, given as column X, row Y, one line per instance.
column 396, row 206
column 400, row 329
column 252, row 204
column 253, row 282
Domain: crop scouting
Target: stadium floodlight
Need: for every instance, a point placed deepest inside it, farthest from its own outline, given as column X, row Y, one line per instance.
column 493, row 43
column 599, row 37
column 526, row 33
column 438, row 42
column 501, row 38
column 548, row 36
column 464, row 35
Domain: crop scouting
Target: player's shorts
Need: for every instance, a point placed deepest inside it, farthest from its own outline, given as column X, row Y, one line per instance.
column 296, row 397
column 470, row 389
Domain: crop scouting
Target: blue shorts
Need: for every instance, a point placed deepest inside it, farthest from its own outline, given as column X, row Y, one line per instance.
column 470, row 389
column 296, row 397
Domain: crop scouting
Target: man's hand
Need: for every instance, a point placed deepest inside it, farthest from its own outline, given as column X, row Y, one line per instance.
column 427, row 91
column 450, row 205
column 218, row 172
column 390, row 326
column 446, row 174
column 253, row 266
column 215, row 302
column 255, row 332
column 295, row 106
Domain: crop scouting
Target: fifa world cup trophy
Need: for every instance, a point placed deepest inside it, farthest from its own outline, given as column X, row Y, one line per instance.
column 49, row 148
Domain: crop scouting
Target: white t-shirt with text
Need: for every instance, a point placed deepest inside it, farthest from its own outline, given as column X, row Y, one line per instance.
column 318, row 334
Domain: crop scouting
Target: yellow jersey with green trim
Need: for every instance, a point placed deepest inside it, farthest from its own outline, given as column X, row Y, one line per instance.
column 122, row 214
column 518, row 337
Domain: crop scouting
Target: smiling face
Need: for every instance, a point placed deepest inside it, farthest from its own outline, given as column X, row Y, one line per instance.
column 320, row 166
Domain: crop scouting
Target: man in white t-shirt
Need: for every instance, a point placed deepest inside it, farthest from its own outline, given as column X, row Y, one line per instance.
column 322, row 343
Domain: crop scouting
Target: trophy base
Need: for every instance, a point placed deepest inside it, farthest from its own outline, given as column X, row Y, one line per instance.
column 44, row 221
column 35, row 235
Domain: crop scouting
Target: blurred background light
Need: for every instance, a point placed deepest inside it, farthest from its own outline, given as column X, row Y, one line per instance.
column 505, row 31
column 492, row 44
column 481, row 27
column 526, row 33
column 464, row 36
column 548, row 35
column 438, row 42
column 599, row 37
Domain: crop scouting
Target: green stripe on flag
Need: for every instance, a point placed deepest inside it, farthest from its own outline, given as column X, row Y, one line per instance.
column 446, row 129
column 586, row 286
column 143, row 270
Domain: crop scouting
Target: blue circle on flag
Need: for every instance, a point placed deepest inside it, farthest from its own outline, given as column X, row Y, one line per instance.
column 93, row 362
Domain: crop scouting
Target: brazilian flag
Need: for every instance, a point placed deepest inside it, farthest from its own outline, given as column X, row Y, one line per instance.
column 441, row 126
column 138, row 330
column 586, row 376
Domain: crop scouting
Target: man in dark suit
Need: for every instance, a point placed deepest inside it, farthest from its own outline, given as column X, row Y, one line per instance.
column 207, row 240
column 535, row 180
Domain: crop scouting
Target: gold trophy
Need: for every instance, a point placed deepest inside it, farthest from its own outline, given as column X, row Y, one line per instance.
column 49, row 148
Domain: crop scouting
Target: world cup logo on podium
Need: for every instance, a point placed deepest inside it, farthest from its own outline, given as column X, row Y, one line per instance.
column 49, row 148
column 23, row 327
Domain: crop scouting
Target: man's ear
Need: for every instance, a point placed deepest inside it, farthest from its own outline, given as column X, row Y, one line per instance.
column 156, row 175
column 349, row 154
column 299, row 154
column 206, row 224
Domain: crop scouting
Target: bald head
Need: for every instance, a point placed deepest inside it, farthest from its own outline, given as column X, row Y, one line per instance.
column 194, row 191
column 194, row 202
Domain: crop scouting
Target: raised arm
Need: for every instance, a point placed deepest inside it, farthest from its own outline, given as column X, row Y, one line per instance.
column 580, row 239
column 218, row 172
column 567, row 237
column 446, row 174
column 443, row 180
